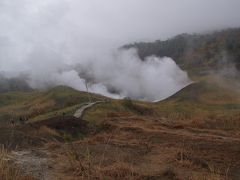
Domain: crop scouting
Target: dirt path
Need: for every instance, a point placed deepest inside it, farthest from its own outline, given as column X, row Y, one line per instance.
column 80, row 112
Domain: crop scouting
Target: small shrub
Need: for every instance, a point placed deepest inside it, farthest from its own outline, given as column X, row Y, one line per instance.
column 139, row 109
column 169, row 173
column 81, row 164
column 128, row 104
column 49, row 131
column 67, row 137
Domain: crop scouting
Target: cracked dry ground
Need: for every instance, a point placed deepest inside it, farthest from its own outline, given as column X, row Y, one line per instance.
column 132, row 147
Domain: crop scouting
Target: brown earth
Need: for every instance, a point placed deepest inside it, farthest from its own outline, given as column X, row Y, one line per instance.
column 125, row 147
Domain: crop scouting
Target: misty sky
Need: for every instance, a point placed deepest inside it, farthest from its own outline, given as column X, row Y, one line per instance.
column 47, row 38
column 113, row 22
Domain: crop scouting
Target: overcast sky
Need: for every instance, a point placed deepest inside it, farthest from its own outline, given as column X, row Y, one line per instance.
column 113, row 22
column 76, row 28
column 47, row 38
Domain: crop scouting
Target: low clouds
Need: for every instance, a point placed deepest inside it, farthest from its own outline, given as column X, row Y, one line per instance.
column 116, row 74
column 53, row 41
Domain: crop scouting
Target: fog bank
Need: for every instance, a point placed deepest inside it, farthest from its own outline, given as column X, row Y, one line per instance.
column 67, row 42
column 116, row 74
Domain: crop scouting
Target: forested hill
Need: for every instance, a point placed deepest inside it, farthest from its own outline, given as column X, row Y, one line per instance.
column 13, row 84
column 196, row 52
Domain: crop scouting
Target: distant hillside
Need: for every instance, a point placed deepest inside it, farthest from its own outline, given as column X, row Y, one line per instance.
column 13, row 84
column 40, row 105
column 208, row 91
column 210, row 102
column 196, row 52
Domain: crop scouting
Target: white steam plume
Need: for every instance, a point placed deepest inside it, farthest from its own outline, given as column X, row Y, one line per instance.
column 124, row 72
column 53, row 43
column 115, row 74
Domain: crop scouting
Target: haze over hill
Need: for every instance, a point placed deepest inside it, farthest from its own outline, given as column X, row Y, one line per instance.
column 197, row 53
column 66, row 42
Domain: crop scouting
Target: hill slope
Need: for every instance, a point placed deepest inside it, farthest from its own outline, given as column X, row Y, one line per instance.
column 39, row 105
column 208, row 103
column 196, row 53
column 193, row 134
column 13, row 84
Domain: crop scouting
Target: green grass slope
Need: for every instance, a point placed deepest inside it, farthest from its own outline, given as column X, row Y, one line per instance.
column 38, row 105
column 211, row 102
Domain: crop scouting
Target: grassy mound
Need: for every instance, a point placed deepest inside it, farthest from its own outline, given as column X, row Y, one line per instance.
column 38, row 105
column 209, row 102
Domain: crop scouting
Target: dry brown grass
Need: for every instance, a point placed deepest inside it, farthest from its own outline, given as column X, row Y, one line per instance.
column 80, row 164
column 225, row 121
column 7, row 169
column 206, row 177
column 48, row 131
column 85, row 166
column 119, row 171
column 187, row 158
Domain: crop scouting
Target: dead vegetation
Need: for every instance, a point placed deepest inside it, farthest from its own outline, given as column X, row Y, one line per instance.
column 8, row 171
column 183, row 137
column 85, row 165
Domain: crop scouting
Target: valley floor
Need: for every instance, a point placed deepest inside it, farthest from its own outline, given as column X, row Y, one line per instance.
column 132, row 147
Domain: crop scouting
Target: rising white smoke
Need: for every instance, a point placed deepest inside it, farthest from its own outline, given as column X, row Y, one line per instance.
column 125, row 73
column 47, row 42
column 115, row 74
